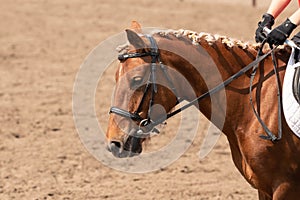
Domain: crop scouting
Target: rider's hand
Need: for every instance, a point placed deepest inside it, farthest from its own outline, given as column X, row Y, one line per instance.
column 267, row 21
column 279, row 34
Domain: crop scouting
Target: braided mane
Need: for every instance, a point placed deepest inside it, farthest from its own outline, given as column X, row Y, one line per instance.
column 198, row 38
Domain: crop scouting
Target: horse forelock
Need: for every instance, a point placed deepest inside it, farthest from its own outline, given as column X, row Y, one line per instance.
column 123, row 48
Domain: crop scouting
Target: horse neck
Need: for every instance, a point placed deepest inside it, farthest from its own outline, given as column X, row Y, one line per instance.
column 206, row 61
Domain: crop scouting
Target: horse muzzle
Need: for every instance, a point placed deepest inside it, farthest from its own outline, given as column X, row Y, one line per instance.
column 129, row 147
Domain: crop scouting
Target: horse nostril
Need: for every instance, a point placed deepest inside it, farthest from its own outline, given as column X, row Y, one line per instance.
column 116, row 144
column 115, row 147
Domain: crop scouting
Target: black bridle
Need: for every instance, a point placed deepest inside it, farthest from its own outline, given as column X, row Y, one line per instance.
column 147, row 124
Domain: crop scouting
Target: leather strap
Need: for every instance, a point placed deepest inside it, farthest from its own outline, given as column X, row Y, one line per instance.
column 270, row 135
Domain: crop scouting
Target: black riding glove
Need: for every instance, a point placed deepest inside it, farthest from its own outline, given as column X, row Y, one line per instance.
column 279, row 34
column 267, row 21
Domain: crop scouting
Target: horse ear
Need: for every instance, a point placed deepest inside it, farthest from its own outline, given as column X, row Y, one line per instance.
column 135, row 39
column 135, row 26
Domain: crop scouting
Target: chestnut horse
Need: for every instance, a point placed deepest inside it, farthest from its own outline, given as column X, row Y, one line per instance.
column 272, row 167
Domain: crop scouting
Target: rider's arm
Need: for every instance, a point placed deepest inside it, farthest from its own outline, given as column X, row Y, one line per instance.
column 277, row 6
column 295, row 18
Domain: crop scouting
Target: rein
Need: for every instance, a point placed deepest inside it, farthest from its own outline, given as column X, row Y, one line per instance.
column 270, row 135
column 148, row 124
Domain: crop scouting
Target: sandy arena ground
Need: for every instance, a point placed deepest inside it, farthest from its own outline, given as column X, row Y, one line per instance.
column 43, row 43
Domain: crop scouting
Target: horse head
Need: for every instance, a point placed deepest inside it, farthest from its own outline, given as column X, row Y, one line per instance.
column 140, row 101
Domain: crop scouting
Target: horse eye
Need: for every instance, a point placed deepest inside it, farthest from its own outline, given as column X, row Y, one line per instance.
column 136, row 81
